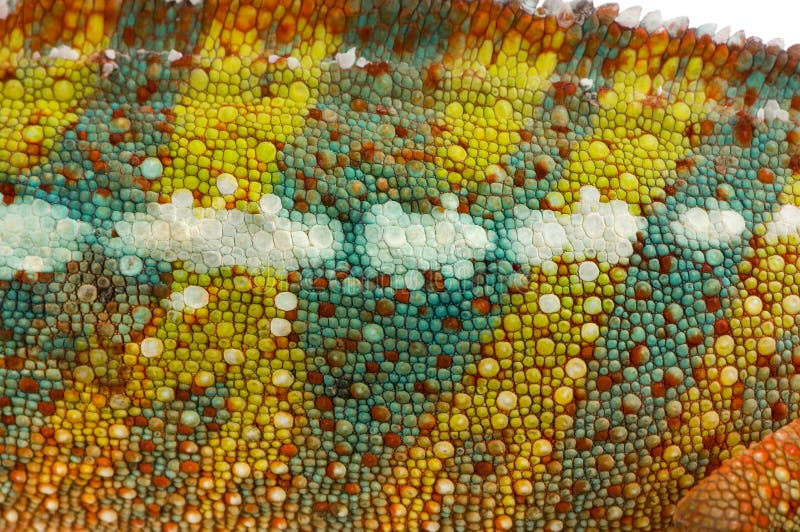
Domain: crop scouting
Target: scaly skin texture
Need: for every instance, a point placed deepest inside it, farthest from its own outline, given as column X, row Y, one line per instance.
column 384, row 265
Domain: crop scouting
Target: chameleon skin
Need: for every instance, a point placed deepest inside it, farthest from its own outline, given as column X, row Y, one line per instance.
column 755, row 490
column 384, row 265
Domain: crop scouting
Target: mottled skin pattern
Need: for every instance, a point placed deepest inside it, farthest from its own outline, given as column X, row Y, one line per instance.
column 383, row 265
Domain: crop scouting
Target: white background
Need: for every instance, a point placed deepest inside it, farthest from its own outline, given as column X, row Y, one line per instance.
column 766, row 19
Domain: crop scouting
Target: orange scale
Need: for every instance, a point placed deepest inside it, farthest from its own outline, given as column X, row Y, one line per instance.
column 189, row 467
column 765, row 492
column 762, row 455
column 161, row 481
column 278, row 523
